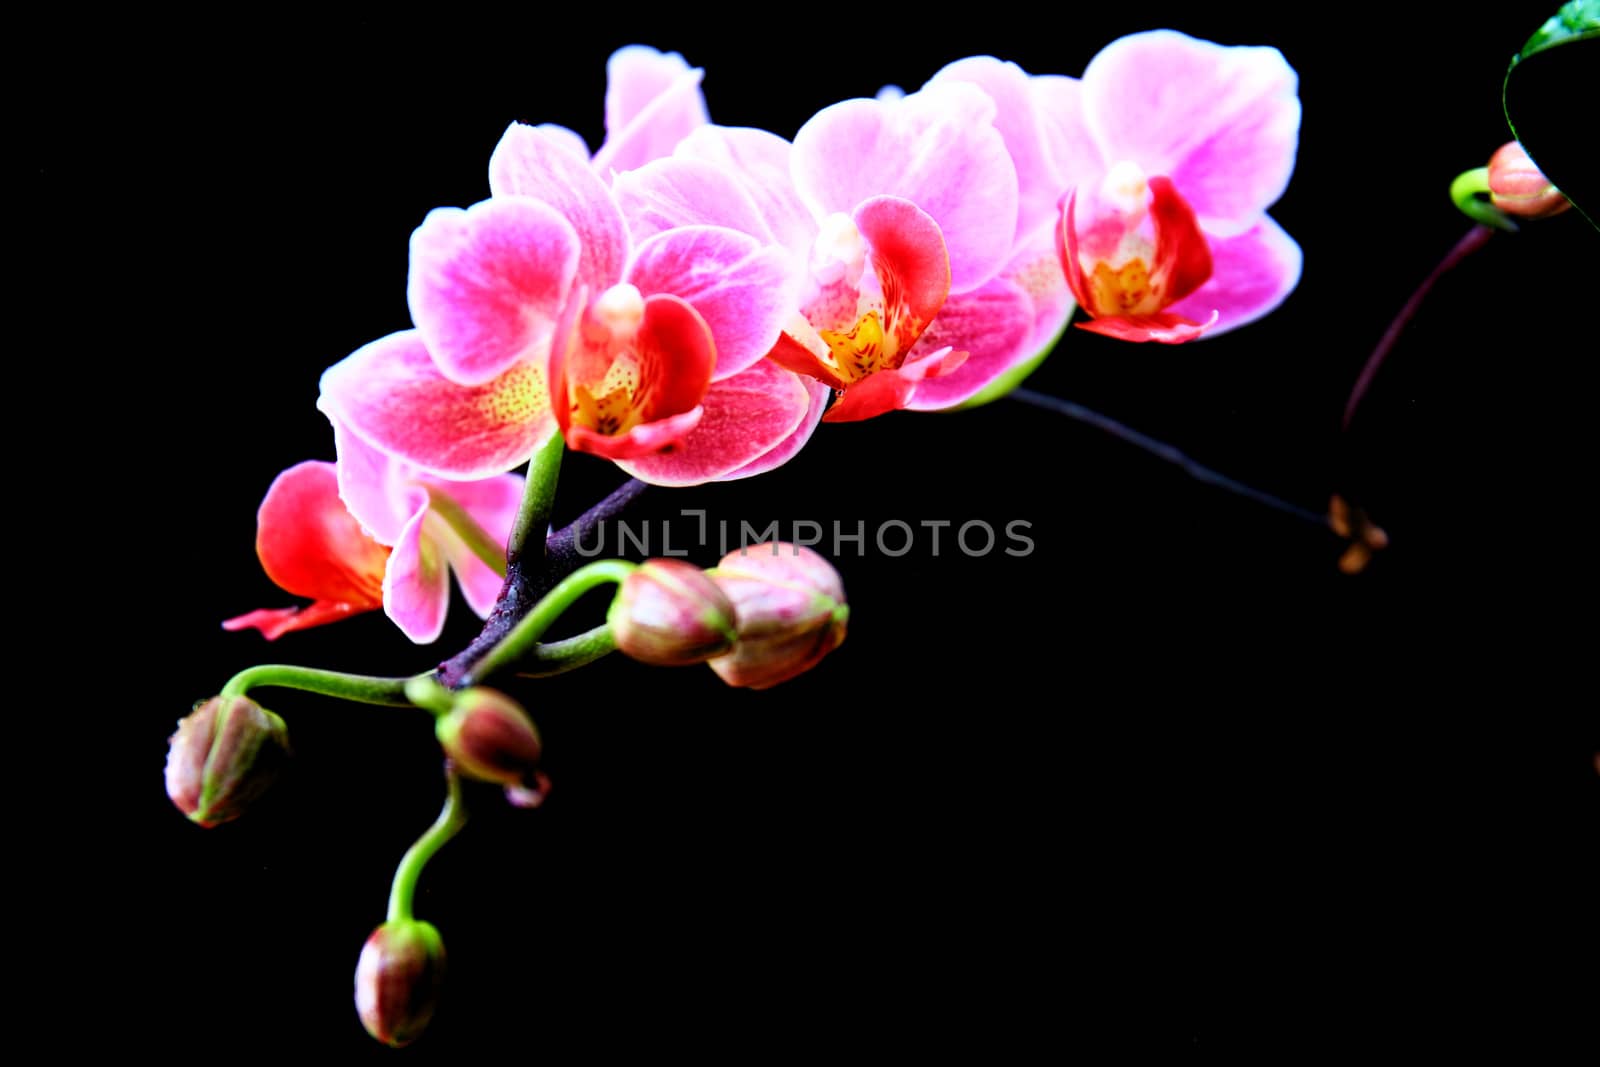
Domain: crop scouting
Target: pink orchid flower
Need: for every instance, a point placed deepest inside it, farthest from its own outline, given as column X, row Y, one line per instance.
column 1179, row 146
column 653, row 338
column 653, row 101
column 921, row 287
column 368, row 532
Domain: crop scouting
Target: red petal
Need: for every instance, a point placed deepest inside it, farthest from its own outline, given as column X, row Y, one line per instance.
column 1164, row 327
column 1182, row 256
column 676, row 358
column 311, row 546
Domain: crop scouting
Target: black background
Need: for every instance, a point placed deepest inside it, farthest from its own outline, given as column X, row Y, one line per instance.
column 1170, row 780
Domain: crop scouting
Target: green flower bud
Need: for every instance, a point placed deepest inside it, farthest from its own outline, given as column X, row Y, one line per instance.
column 398, row 979
column 225, row 754
column 669, row 614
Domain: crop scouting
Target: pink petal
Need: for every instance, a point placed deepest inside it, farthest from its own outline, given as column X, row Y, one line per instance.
column 1065, row 130
column 1223, row 123
column 391, row 395
column 1020, row 121
column 760, row 161
column 994, row 325
column 653, row 101
column 744, row 290
column 1251, row 274
column 531, row 162
column 493, row 504
column 416, row 587
column 480, row 583
column 366, row 476
column 786, row 449
column 746, row 417
column 937, row 148
column 486, row 283
column 569, row 139
column 646, row 439
column 684, row 192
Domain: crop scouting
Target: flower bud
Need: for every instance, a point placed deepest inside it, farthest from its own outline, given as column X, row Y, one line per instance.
column 1519, row 188
column 670, row 614
column 489, row 737
column 398, row 979
column 791, row 611
column 225, row 754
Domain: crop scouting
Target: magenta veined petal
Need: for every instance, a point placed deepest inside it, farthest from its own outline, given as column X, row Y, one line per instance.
column 937, row 148
column 744, row 290
column 416, row 586
column 653, row 101
column 480, row 584
column 761, row 162
column 775, row 457
column 994, row 325
column 669, row 193
column 911, row 261
column 366, row 484
column 486, row 284
column 391, row 395
column 1020, row 121
column 1222, row 122
column 745, row 417
column 531, row 162
column 1251, row 275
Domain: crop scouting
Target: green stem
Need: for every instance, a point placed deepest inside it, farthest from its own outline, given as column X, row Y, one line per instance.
column 559, row 657
column 426, row 693
column 524, row 636
column 404, row 889
column 475, row 537
column 365, row 689
column 1470, row 192
column 538, row 497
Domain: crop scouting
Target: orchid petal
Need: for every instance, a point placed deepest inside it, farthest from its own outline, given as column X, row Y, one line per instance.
column 310, row 545
column 530, row 162
column 1065, row 131
column 391, row 395
column 1182, row 254
column 480, row 583
column 892, row 390
column 761, row 161
column 668, row 193
column 416, row 586
column 275, row 622
column 909, row 256
column 569, row 139
column 486, row 283
column 1020, row 121
column 1251, row 274
column 491, row 503
column 653, row 101
column 786, row 449
column 937, row 148
column 646, row 439
column 365, row 484
column 1164, row 327
column 994, row 325
column 746, row 417
column 1223, row 123
column 676, row 357
column 744, row 290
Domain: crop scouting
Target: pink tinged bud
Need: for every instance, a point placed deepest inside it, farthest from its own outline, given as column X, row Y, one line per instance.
column 668, row 613
column 398, row 979
column 1518, row 187
column 489, row 737
column 791, row 612
column 225, row 754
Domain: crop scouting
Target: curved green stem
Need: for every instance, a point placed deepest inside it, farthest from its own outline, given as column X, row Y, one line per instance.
column 538, row 497
column 404, row 888
column 426, row 693
column 524, row 636
column 1470, row 192
column 559, row 657
column 365, row 689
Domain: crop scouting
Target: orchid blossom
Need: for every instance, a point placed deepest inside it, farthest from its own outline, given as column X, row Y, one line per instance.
column 921, row 287
column 1179, row 146
column 370, row 532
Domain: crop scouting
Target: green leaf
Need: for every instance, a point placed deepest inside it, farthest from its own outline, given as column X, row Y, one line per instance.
column 1548, row 94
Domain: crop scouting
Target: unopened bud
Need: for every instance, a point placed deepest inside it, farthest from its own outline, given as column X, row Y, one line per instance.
column 398, row 979
column 224, row 755
column 791, row 611
column 670, row 614
column 1518, row 187
column 489, row 737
